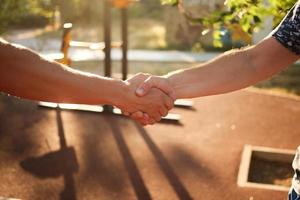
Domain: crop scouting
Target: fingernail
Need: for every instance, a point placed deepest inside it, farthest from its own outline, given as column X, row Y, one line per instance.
column 140, row 90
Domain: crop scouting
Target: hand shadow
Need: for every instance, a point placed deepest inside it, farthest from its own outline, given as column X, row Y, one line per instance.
column 53, row 164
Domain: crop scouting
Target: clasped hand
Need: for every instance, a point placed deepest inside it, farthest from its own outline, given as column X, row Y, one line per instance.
column 150, row 98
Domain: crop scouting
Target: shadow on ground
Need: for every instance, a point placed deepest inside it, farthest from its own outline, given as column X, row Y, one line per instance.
column 57, row 163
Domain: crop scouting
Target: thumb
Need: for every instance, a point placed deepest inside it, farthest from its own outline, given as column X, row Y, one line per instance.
column 164, row 85
column 144, row 87
column 157, row 82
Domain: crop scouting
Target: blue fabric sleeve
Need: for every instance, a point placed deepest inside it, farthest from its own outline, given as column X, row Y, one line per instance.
column 288, row 31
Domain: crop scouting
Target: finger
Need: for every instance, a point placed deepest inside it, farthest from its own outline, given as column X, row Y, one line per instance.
column 142, row 123
column 169, row 103
column 156, row 117
column 138, row 76
column 150, row 121
column 126, row 113
column 137, row 115
column 158, row 82
column 145, row 120
column 142, row 118
column 146, row 117
column 163, row 111
column 144, row 88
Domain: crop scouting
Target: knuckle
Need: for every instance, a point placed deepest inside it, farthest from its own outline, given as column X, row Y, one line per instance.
column 165, row 113
column 143, row 124
column 170, row 104
column 150, row 78
column 162, row 113
column 141, row 74
column 157, row 117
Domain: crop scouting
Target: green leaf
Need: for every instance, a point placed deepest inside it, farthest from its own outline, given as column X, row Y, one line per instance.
column 256, row 19
column 169, row 2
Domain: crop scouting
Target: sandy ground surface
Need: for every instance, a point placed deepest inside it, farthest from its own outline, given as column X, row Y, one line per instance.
column 49, row 154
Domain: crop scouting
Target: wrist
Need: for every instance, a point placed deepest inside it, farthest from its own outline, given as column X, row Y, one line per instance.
column 172, row 83
column 107, row 91
column 122, row 91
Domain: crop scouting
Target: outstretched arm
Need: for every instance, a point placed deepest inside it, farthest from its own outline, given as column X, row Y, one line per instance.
column 231, row 71
column 235, row 69
column 23, row 73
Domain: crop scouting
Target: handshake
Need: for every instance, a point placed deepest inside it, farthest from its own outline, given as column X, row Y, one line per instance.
column 147, row 98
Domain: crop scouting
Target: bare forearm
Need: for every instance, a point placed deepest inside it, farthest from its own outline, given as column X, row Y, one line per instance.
column 25, row 74
column 226, row 73
column 233, row 70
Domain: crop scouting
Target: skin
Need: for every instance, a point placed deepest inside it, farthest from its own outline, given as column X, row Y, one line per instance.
column 233, row 70
column 162, row 110
column 25, row 74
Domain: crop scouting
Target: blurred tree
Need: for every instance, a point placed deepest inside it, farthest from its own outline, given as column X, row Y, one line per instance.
column 171, row 2
column 69, row 9
column 248, row 14
column 151, row 8
column 79, row 10
column 91, row 10
column 10, row 11
column 24, row 12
